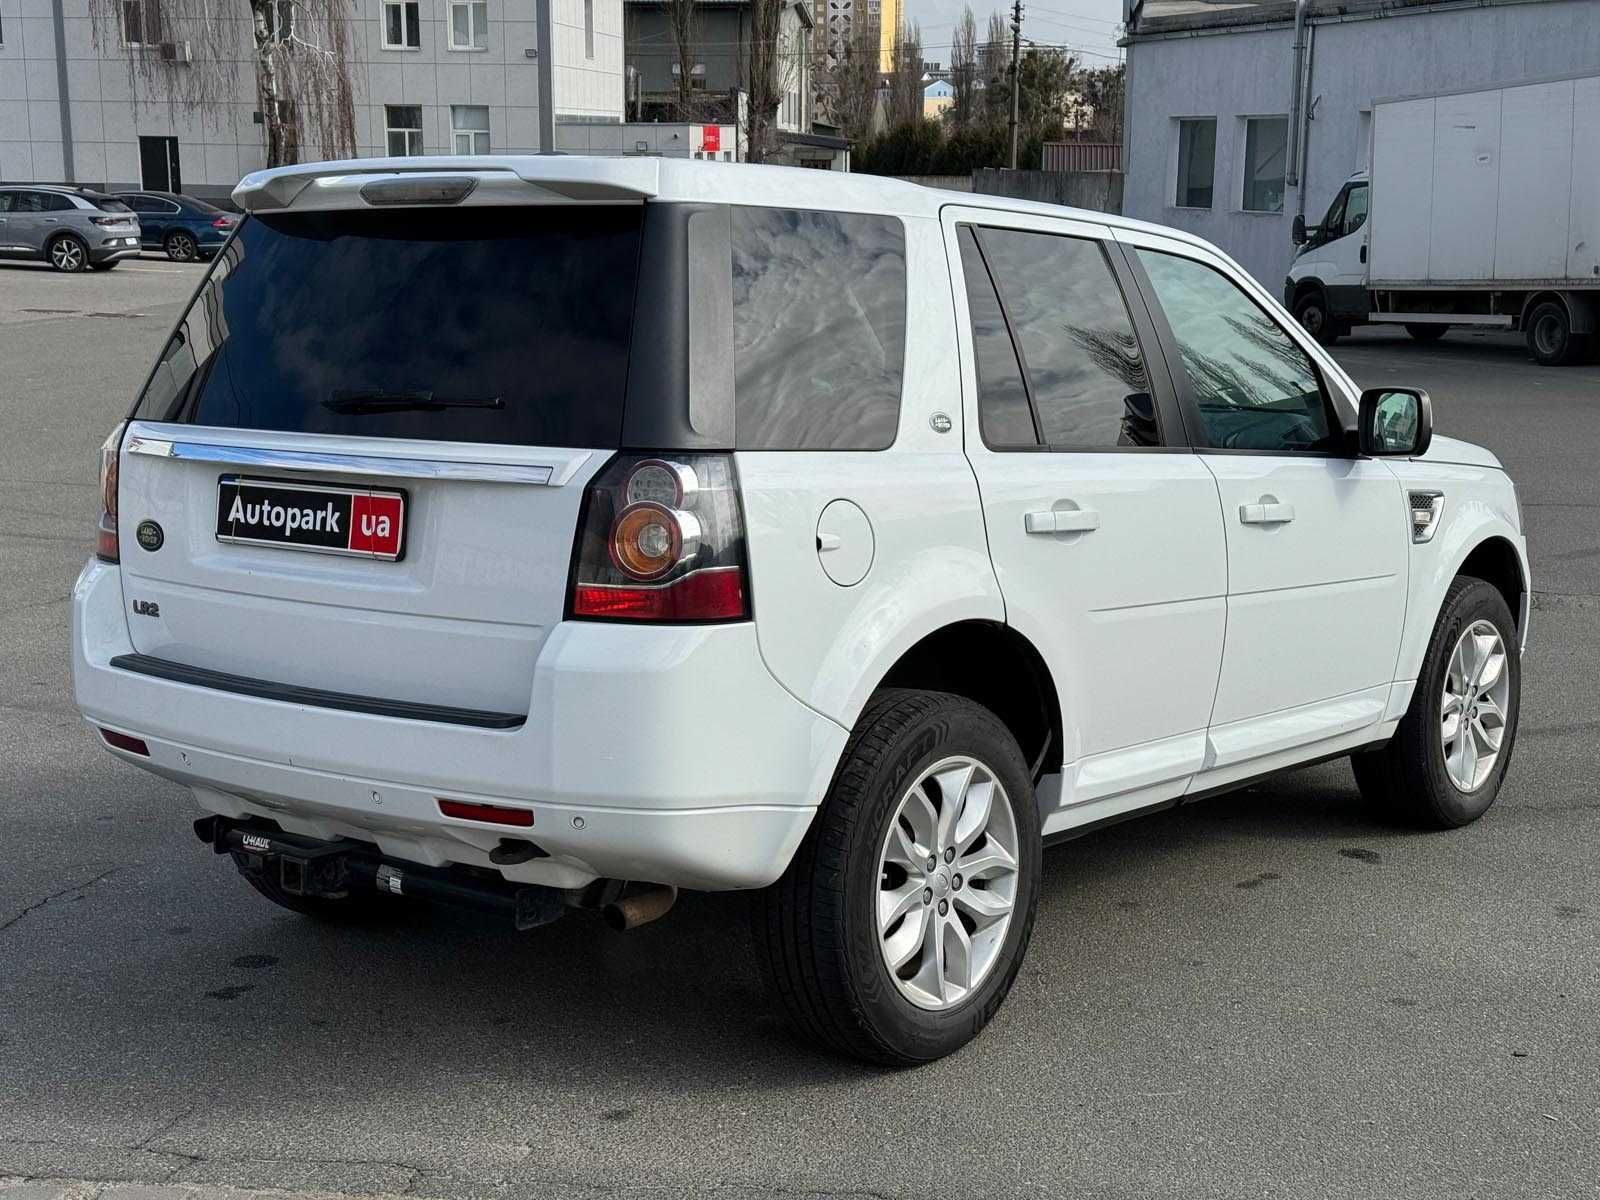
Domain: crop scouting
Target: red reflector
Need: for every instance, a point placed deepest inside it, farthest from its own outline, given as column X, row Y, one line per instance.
column 122, row 741
column 493, row 813
column 716, row 594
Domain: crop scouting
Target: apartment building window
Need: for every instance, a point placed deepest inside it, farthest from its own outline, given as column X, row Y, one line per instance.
column 588, row 28
column 1266, row 151
column 469, row 127
column 403, row 125
column 1197, row 161
column 469, row 25
column 402, row 25
column 141, row 22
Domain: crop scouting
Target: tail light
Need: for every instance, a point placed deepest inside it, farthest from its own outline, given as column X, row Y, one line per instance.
column 222, row 222
column 105, row 542
column 109, row 220
column 661, row 539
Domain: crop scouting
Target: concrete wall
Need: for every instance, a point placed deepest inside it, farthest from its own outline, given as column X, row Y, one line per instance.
column 1230, row 76
column 1100, row 191
column 109, row 110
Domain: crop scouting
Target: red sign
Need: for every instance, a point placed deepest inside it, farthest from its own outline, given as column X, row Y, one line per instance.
column 711, row 137
column 375, row 524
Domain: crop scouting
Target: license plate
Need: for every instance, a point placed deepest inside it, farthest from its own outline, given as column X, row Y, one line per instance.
column 320, row 517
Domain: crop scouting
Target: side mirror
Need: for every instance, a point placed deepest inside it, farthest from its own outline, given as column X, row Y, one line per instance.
column 1297, row 231
column 1396, row 421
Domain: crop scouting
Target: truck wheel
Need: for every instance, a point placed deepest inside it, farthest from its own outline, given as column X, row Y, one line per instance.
column 1443, row 767
column 896, row 931
column 1551, row 342
column 1311, row 310
column 356, row 906
column 1427, row 333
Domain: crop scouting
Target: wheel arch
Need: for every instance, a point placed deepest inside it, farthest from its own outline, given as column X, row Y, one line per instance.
column 991, row 664
column 1486, row 547
column 1580, row 309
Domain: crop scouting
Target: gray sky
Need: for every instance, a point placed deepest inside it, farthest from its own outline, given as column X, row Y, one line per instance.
column 1087, row 25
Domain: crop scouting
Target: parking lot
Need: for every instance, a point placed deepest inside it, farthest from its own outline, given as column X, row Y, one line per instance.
column 1265, row 994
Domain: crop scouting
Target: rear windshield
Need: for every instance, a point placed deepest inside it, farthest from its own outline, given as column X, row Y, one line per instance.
column 108, row 204
column 506, row 325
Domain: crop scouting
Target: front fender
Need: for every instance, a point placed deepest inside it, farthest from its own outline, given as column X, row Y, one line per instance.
column 1479, row 506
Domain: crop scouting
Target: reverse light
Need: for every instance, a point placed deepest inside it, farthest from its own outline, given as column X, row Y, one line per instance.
column 1425, row 510
column 661, row 539
column 105, row 541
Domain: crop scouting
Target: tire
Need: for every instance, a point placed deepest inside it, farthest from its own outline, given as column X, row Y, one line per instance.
column 181, row 247
column 1551, row 342
column 355, row 907
column 68, row 253
column 816, row 930
column 1411, row 778
column 1311, row 310
column 1427, row 333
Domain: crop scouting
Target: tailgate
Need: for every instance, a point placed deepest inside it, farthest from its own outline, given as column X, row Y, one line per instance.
column 456, row 618
column 358, row 465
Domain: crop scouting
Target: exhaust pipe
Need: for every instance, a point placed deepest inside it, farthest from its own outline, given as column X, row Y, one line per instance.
column 630, row 912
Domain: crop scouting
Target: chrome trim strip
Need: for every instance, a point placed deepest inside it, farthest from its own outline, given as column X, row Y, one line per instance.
column 343, row 464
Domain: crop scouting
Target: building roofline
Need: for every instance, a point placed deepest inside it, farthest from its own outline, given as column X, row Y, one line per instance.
column 1182, row 18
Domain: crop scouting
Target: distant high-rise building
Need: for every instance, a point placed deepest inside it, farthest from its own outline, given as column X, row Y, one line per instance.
column 838, row 18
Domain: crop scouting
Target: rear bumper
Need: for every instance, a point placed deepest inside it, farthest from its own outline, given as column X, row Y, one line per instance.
column 112, row 253
column 661, row 753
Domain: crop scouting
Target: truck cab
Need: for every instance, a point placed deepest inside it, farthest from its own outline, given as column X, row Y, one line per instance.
column 1327, row 284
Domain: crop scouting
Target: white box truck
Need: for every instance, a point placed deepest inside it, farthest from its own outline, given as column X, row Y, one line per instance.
column 1482, row 208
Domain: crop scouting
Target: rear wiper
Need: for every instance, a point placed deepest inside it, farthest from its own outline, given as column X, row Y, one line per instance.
column 419, row 401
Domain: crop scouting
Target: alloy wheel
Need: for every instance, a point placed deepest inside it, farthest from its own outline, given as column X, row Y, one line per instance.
column 947, row 882
column 181, row 247
column 67, row 255
column 1473, row 708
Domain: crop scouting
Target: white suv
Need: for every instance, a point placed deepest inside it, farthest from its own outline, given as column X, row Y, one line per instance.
column 540, row 533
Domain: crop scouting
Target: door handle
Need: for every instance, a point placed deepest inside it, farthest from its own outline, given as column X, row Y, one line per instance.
column 1363, row 252
column 1061, row 520
column 1266, row 513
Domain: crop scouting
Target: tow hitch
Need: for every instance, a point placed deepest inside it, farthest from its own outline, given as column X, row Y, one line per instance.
column 304, row 866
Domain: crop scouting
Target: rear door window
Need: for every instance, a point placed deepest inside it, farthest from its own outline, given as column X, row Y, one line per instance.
column 819, row 317
column 506, row 325
column 1070, row 329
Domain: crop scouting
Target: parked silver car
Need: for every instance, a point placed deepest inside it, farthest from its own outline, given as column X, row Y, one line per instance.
column 72, row 229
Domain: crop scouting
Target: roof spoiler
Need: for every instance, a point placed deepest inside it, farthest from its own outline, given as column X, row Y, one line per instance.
column 530, row 179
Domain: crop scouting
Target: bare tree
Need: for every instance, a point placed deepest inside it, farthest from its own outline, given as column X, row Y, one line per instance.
column 905, row 85
column 683, row 25
column 770, row 66
column 854, row 80
column 964, row 67
column 188, row 55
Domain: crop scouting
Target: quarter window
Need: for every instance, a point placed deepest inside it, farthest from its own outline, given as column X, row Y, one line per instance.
column 469, row 127
column 1266, row 147
column 403, row 129
column 1255, row 388
column 1080, row 358
column 1197, row 161
column 819, row 316
column 402, row 25
column 469, row 25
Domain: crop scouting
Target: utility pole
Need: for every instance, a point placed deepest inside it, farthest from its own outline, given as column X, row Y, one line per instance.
column 1016, row 73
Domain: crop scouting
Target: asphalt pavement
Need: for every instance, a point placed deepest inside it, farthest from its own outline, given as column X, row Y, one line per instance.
column 1265, row 994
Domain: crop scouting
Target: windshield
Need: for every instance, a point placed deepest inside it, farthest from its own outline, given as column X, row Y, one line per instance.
column 507, row 325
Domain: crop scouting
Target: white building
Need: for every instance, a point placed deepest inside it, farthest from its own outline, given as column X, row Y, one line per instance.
column 429, row 76
column 1212, row 118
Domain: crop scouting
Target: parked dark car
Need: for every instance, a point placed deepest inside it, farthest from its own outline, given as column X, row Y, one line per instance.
column 184, row 227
